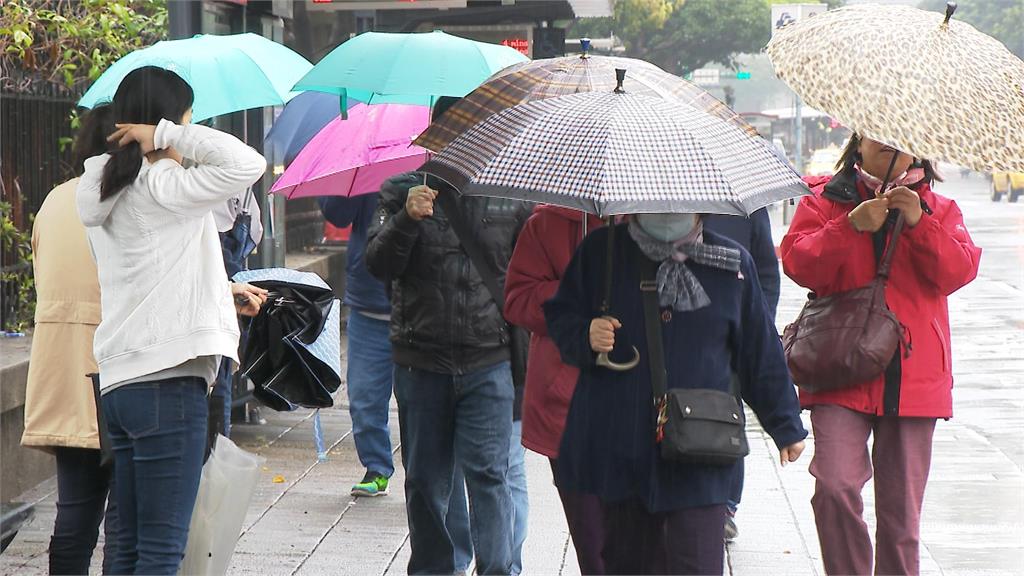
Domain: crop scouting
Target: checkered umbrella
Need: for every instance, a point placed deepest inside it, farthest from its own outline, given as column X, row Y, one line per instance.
column 617, row 153
column 548, row 78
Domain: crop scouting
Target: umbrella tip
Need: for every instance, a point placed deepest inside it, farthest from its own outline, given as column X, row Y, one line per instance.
column 620, row 77
column 585, row 47
column 950, row 8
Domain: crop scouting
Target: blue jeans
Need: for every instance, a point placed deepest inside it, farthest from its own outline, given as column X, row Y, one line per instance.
column 447, row 418
column 457, row 523
column 82, row 487
column 158, row 433
column 735, row 488
column 520, row 500
column 370, row 373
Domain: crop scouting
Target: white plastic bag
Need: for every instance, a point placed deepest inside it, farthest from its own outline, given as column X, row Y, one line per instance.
column 225, row 490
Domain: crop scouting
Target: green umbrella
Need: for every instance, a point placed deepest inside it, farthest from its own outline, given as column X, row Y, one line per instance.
column 378, row 67
column 227, row 73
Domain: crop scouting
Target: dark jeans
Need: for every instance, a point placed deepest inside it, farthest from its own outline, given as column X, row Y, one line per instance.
column 686, row 541
column 469, row 417
column 82, row 487
column 158, row 432
column 225, row 379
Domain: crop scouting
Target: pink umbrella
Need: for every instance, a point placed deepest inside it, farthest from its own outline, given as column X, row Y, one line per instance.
column 355, row 156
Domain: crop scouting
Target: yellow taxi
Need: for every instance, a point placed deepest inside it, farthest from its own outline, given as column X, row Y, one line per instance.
column 1009, row 183
column 823, row 161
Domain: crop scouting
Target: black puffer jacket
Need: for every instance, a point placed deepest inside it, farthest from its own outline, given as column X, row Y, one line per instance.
column 443, row 319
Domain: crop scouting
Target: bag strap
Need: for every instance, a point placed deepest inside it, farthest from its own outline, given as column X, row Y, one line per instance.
column 446, row 199
column 652, row 327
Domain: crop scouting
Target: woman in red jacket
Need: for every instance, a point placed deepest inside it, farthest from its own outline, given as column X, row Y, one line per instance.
column 543, row 250
column 833, row 245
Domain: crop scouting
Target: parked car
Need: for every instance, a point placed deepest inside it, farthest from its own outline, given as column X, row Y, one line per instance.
column 823, row 161
column 1009, row 183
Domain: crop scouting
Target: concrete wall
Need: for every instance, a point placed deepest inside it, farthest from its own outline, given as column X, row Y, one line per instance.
column 20, row 468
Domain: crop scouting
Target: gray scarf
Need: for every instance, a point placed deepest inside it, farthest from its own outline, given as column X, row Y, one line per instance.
column 678, row 287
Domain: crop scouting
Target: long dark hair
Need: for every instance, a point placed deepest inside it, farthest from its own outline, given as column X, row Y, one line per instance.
column 851, row 156
column 91, row 139
column 145, row 96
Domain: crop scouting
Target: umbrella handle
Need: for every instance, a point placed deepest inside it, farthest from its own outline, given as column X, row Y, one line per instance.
column 605, row 362
column 950, row 8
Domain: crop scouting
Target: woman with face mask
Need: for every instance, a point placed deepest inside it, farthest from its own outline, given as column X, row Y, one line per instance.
column 167, row 311
column 663, row 516
column 833, row 245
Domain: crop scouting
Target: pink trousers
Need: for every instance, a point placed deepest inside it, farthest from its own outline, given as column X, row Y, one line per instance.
column 900, row 457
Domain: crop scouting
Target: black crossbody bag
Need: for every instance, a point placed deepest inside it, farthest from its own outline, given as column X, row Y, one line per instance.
column 694, row 425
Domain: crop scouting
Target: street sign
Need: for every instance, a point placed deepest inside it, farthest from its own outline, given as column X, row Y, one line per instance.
column 743, row 75
column 783, row 14
column 705, row 77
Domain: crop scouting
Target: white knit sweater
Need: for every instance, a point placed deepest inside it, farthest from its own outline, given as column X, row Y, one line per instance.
column 165, row 297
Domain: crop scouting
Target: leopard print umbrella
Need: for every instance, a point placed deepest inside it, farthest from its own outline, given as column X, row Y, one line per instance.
column 932, row 86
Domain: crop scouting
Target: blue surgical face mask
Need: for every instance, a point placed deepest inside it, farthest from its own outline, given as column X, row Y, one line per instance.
column 667, row 227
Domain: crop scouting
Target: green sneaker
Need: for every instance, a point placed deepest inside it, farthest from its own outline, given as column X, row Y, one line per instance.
column 373, row 484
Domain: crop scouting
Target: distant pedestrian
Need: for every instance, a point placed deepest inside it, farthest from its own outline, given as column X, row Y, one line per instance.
column 167, row 311
column 834, row 244
column 543, row 250
column 60, row 405
column 754, row 234
column 241, row 230
column 452, row 350
column 660, row 515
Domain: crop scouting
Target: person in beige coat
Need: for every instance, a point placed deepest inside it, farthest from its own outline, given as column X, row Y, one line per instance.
column 60, row 406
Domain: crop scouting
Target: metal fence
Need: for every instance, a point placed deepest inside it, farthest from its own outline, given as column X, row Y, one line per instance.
column 31, row 164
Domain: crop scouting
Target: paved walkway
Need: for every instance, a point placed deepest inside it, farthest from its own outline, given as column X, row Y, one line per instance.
column 308, row 524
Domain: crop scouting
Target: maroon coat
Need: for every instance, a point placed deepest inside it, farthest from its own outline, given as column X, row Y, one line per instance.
column 824, row 253
column 543, row 250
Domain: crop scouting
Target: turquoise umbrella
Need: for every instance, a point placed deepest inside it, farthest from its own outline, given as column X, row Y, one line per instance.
column 227, row 73
column 389, row 68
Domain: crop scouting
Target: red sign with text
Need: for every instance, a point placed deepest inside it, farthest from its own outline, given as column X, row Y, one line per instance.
column 520, row 44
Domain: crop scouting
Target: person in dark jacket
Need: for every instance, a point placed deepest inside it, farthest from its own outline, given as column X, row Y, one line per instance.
column 754, row 234
column 659, row 515
column 370, row 370
column 369, row 352
column 451, row 347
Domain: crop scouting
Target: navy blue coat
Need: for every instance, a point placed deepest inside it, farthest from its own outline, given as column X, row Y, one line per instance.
column 608, row 448
column 754, row 234
column 362, row 291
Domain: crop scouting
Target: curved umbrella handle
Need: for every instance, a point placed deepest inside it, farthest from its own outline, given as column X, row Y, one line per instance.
column 605, row 362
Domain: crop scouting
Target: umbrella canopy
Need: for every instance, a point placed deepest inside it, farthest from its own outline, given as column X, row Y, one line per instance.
column 933, row 87
column 293, row 352
column 379, row 67
column 617, row 153
column 227, row 73
column 299, row 122
column 552, row 77
column 355, row 156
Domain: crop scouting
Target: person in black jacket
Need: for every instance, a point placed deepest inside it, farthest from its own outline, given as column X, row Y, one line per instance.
column 755, row 235
column 451, row 347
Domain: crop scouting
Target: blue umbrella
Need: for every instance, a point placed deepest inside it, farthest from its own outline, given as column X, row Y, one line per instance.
column 301, row 119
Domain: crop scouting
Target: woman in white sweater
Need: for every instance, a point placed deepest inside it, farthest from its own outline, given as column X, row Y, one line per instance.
column 167, row 310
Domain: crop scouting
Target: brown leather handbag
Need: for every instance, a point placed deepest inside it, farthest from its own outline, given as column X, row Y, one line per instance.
column 848, row 337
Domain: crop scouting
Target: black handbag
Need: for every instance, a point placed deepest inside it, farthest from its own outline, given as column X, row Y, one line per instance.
column 694, row 425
